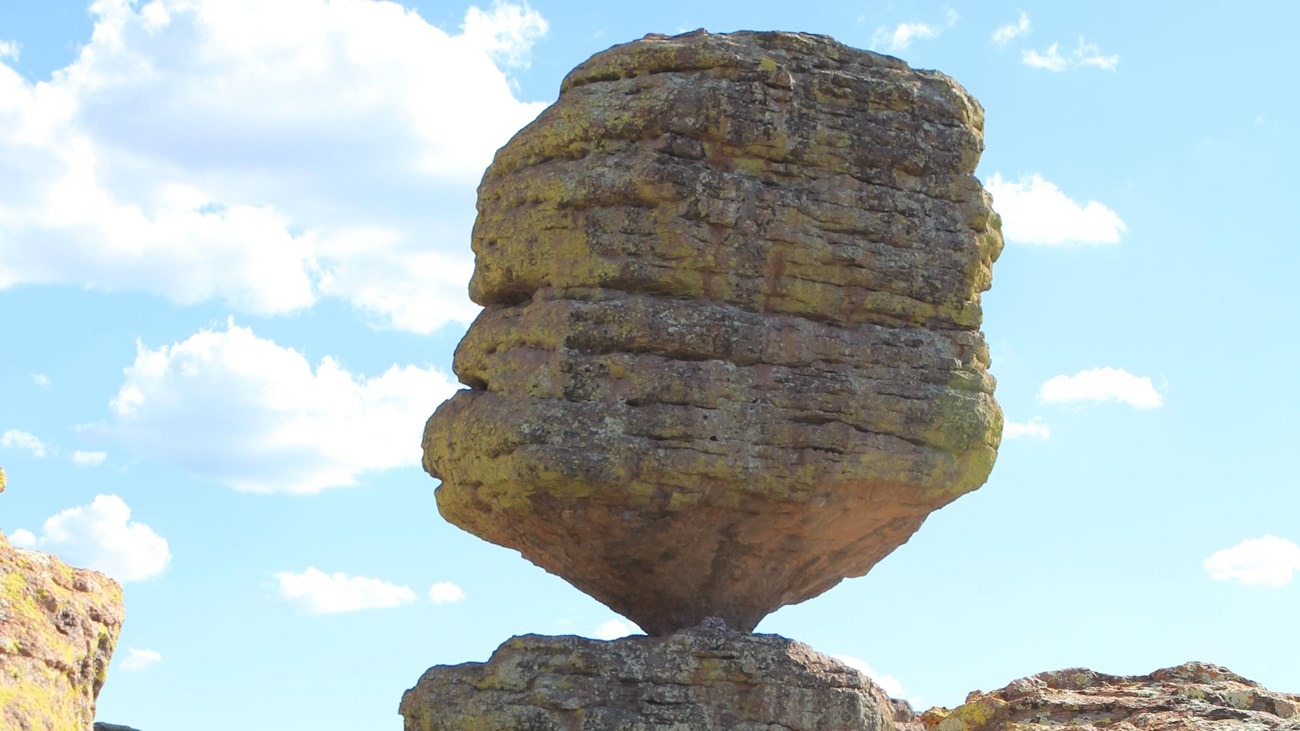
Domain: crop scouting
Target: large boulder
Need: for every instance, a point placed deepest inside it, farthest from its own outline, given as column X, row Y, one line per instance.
column 730, row 351
column 703, row 679
column 58, row 626
column 1191, row 697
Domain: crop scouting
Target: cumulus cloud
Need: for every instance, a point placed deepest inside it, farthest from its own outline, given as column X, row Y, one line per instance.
column 1033, row 429
column 1084, row 55
column 262, row 155
column 89, row 459
column 1005, row 33
column 616, row 628
column 1267, row 561
column 103, row 537
column 248, row 413
column 320, row 593
column 888, row 683
column 137, row 659
column 19, row 439
column 23, row 538
column 1102, row 384
column 1035, row 211
column 901, row 37
column 445, row 592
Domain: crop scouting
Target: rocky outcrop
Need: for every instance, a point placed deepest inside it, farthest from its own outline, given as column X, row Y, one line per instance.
column 1195, row 696
column 730, row 351
column 58, row 626
column 699, row 679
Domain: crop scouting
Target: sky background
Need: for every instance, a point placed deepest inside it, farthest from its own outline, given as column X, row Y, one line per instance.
column 234, row 244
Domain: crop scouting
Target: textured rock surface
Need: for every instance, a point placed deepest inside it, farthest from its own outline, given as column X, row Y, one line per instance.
column 730, row 353
column 1192, row 696
column 697, row 679
column 58, row 626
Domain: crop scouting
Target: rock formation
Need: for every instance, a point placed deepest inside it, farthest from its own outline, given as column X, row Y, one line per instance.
column 730, row 351
column 58, row 626
column 699, row 679
column 1195, row 696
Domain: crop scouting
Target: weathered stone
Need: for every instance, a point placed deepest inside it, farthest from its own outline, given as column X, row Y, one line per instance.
column 1195, row 696
column 101, row 726
column 58, row 626
column 730, row 351
column 697, row 679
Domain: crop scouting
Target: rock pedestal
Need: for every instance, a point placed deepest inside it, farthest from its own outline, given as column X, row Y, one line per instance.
column 699, row 679
column 730, row 351
column 58, row 626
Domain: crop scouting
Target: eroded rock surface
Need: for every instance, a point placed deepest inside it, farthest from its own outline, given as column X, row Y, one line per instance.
column 1194, row 696
column 699, row 679
column 730, row 351
column 58, row 626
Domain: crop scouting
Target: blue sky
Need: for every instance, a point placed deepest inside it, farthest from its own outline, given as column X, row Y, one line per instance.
column 234, row 243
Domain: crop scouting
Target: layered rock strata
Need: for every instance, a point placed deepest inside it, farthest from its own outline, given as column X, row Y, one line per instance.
column 1194, row 696
column 700, row 679
column 730, row 351
column 58, row 626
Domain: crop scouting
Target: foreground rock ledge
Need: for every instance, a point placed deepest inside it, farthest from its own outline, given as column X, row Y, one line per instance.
column 58, row 626
column 1194, row 696
column 730, row 351
column 699, row 679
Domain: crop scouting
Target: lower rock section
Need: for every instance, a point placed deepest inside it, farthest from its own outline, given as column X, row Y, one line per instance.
column 1195, row 696
column 58, row 626
column 697, row 679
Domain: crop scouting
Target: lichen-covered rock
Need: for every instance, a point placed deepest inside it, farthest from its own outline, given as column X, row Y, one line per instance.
column 730, row 351
column 1193, row 697
column 58, row 626
column 699, row 679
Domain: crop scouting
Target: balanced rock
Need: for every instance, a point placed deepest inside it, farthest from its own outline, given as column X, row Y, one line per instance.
column 1194, row 696
column 58, row 626
column 700, row 679
column 730, row 351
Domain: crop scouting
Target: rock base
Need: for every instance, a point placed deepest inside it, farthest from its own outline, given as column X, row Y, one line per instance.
column 697, row 679
column 1193, row 697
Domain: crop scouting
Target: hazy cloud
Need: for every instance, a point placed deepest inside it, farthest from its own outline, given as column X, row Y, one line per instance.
column 1267, row 561
column 19, row 439
column 137, row 659
column 320, row 593
column 1033, row 429
column 89, row 459
column 1005, row 33
column 1084, row 55
column 445, row 592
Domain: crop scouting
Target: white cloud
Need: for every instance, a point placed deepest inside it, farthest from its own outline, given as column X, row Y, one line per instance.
column 445, row 592
column 264, row 155
column 1102, row 384
column 19, row 439
column 40, row 379
column 901, row 37
column 1035, row 211
column 321, row 593
column 1084, row 54
column 23, row 538
column 508, row 32
column 102, row 536
column 1267, row 561
column 1033, row 429
column 1011, row 30
column 616, row 628
column 888, row 683
column 137, row 659
column 89, row 459
column 248, row 413
column 9, row 49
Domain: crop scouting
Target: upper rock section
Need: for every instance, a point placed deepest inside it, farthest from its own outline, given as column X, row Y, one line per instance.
column 730, row 351
column 1194, row 696
column 58, row 626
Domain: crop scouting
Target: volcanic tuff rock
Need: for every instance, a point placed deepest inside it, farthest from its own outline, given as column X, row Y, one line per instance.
column 58, row 626
column 1194, row 696
column 699, row 679
column 730, row 351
